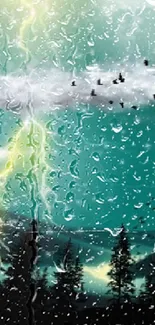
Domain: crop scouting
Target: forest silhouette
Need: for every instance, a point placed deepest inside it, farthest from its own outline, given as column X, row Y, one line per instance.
column 26, row 298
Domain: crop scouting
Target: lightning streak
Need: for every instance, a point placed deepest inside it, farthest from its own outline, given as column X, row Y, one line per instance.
column 37, row 175
column 25, row 24
column 40, row 167
column 13, row 156
column 29, row 22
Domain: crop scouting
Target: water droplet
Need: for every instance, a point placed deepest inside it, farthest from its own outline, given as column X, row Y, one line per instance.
column 72, row 184
column 96, row 156
column 101, row 177
column 68, row 215
column 56, row 205
column 139, row 205
column 53, row 174
column 139, row 134
column 114, row 232
column 49, row 126
column 99, row 198
column 56, row 188
column 73, row 168
column 113, row 198
column 117, row 129
column 19, row 176
column 94, row 170
column 23, row 186
column 61, row 130
column 82, row 217
column 83, row 203
column 69, row 197
column 137, row 178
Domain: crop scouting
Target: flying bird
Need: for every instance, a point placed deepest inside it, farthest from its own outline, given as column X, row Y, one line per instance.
column 121, row 79
column 111, row 102
column 122, row 104
column 73, row 83
column 115, row 82
column 93, row 92
column 146, row 63
column 134, row 107
column 99, row 82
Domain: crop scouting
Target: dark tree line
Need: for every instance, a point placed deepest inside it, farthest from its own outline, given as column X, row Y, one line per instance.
column 51, row 304
column 59, row 303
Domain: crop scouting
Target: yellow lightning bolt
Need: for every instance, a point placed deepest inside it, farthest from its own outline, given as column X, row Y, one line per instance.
column 44, row 189
column 29, row 21
column 38, row 154
column 13, row 156
column 25, row 24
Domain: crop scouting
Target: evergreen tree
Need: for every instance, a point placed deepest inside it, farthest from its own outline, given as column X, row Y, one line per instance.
column 78, row 273
column 70, row 272
column 147, row 295
column 42, row 302
column 16, row 286
column 68, row 278
column 150, row 283
column 121, row 278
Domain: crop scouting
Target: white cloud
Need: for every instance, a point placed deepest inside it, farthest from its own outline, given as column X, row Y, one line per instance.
column 46, row 91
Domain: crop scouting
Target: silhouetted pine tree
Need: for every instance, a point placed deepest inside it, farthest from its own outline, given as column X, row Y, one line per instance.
column 147, row 296
column 121, row 278
column 70, row 272
column 68, row 278
column 42, row 303
column 16, row 286
column 78, row 273
column 150, row 283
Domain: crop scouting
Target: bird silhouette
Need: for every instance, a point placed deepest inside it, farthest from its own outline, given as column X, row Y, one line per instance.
column 99, row 82
column 93, row 93
column 134, row 107
column 154, row 96
column 111, row 102
column 115, row 82
column 122, row 104
column 73, row 83
column 121, row 79
column 146, row 63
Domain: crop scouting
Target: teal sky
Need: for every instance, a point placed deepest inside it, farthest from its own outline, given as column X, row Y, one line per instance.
column 102, row 162
column 101, row 168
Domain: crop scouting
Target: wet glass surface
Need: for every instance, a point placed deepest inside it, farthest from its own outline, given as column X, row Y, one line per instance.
column 77, row 163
